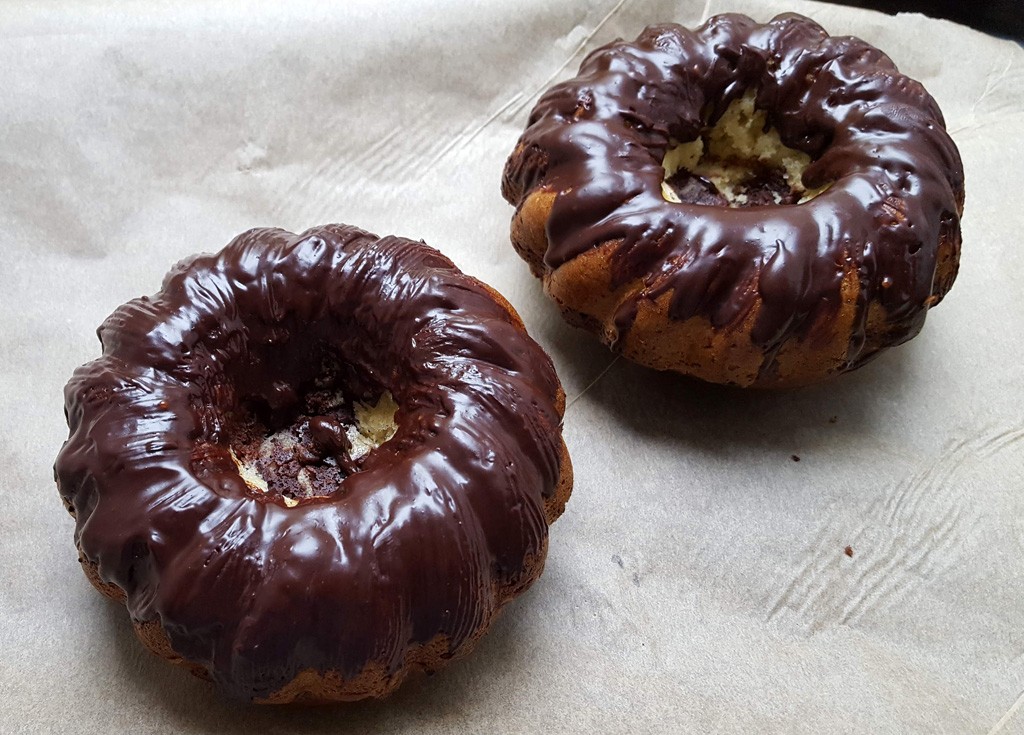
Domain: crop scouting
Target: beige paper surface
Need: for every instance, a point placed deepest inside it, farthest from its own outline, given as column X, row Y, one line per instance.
column 698, row 580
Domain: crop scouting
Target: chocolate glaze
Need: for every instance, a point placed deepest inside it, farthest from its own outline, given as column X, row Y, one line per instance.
column 874, row 135
column 425, row 539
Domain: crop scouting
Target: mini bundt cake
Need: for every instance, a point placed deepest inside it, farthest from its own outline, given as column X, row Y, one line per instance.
column 314, row 462
column 752, row 204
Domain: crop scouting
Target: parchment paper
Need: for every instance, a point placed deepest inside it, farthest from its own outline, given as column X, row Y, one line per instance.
column 698, row 580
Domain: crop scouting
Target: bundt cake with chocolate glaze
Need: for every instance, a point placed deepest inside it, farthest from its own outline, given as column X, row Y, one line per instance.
column 312, row 463
column 752, row 204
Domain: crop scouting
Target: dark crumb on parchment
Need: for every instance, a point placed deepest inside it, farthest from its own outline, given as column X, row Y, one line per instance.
column 848, row 551
column 794, row 457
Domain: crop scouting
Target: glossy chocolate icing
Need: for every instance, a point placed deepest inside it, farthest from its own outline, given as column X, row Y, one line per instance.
column 875, row 137
column 428, row 535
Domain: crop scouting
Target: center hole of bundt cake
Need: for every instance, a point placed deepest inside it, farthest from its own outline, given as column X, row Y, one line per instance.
column 300, row 437
column 737, row 162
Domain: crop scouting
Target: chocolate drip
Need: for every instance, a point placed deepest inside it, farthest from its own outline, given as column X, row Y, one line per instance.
column 330, row 440
column 875, row 137
column 329, row 437
column 426, row 539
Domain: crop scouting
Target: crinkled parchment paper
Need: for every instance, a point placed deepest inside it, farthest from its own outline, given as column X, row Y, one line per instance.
column 698, row 580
